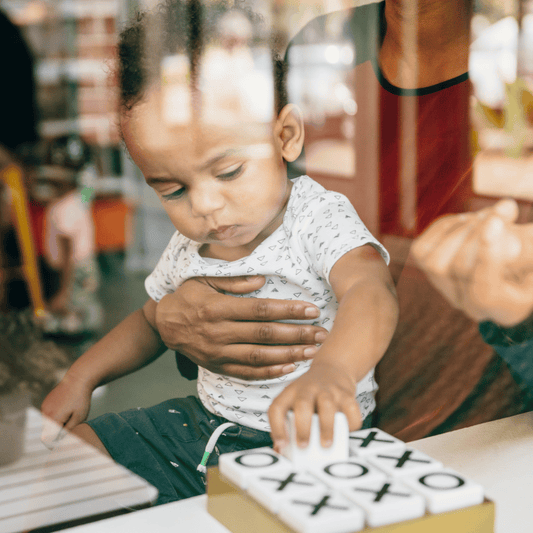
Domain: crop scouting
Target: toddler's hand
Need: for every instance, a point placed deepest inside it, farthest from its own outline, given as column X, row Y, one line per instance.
column 323, row 389
column 66, row 406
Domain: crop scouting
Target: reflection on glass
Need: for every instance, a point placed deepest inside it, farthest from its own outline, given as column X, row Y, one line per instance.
column 231, row 79
column 224, row 76
column 321, row 82
column 501, row 70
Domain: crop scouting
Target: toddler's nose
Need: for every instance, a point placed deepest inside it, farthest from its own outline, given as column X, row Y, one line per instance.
column 205, row 201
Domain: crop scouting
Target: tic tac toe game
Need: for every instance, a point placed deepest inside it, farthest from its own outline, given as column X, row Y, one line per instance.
column 367, row 481
column 215, row 212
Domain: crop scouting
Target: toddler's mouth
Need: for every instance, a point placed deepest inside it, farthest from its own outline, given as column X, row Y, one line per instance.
column 223, row 232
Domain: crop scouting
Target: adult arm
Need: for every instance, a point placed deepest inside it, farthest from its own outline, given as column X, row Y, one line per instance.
column 237, row 336
column 482, row 263
column 129, row 346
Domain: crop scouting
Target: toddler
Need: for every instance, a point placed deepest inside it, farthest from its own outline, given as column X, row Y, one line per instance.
column 69, row 247
column 219, row 169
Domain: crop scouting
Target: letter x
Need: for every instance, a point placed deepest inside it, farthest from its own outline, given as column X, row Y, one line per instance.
column 371, row 437
column 404, row 458
column 381, row 492
column 322, row 503
column 289, row 479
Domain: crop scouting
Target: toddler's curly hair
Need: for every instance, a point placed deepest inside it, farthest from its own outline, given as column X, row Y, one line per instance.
column 179, row 26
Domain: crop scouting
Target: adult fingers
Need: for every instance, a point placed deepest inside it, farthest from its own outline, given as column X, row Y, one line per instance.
column 484, row 231
column 519, row 249
column 506, row 269
column 506, row 209
column 469, row 254
column 432, row 238
column 262, row 309
column 273, row 333
column 249, row 361
column 440, row 246
column 488, row 244
column 256, row 309
column 454, row 227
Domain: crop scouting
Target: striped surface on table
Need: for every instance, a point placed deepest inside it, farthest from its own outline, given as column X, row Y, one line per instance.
column 70, row 484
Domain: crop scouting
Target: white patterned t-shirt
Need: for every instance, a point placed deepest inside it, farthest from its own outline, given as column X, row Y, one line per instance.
column 318, row 227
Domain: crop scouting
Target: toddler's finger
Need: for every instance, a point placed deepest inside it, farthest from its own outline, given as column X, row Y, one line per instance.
column 51, row 433
column 326, row 414
column 353, row 414
column 303, row 415
column 278, row 426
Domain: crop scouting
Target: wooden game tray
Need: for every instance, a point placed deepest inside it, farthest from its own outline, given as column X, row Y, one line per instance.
column 234, row 509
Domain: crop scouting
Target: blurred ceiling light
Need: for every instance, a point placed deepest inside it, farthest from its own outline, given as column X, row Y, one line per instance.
column 332, row 54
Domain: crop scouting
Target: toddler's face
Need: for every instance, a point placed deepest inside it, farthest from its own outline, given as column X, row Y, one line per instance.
column 226, row 187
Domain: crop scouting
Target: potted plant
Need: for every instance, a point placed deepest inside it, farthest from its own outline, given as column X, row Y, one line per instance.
column 29, row 367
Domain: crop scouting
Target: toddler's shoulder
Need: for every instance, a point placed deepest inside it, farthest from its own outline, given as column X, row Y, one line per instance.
column 309, row 198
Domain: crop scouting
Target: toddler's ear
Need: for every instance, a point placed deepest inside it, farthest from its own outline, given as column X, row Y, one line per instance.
column 289, row 131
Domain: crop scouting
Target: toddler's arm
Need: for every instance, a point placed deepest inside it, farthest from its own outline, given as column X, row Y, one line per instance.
column 126, row 348
column 364, row 325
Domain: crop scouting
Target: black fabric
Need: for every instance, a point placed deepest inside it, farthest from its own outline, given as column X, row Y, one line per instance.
column 515, row 346
column 186, row 367
column 500, row 336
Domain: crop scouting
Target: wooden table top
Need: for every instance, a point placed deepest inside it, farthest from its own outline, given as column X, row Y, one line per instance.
column 70, row 485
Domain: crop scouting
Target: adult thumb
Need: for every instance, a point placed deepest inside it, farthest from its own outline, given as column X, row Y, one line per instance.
column 237, row 284
column 506, row 209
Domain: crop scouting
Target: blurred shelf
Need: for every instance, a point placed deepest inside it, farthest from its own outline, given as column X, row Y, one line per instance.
column 53, row 71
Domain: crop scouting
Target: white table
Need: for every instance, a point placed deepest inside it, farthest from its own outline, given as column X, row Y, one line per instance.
column 71, row 484
column 498, row 454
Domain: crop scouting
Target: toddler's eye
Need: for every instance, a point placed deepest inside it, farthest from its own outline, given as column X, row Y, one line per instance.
column 173, row 195
column 235, row 172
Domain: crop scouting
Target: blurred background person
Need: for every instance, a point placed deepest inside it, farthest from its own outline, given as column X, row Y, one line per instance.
column 69, row 244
